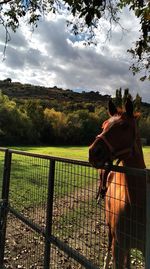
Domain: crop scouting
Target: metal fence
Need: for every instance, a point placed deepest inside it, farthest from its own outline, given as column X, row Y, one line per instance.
column 49, row 217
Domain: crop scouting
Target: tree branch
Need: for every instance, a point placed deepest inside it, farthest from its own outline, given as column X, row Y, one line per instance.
column 5, row 2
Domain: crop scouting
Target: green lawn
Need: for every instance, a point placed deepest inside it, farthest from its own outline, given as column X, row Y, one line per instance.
column 146, row 151
column 78, row 153
column 29, row 175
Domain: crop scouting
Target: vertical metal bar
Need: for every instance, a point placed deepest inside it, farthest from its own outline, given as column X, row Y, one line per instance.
column 147, row 256
column 4, row 204
column 49, row 214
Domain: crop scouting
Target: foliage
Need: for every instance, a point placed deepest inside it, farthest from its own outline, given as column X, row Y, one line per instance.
column 54, row 126
column 144, row 125
column 88, row 14
column 144, row 120
column 137, row 103
column 29, row 122
column 120, row 99
column 15, row 125
column 35, row 113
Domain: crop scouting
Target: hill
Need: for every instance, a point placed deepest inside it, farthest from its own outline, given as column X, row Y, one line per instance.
column 25, row 91
column 58, row 98
column 40, row 115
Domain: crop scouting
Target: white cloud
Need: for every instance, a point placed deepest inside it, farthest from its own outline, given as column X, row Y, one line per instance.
column 50, row 56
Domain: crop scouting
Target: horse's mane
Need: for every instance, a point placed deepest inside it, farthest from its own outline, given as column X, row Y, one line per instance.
column 107, row 123
column 118, row 117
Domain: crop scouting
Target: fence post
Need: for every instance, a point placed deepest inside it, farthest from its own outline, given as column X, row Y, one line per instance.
column 147, row 256
column 49, row 214
column 4, row 204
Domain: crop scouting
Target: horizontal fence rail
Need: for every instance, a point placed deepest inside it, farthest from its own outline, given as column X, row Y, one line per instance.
column 49, row 216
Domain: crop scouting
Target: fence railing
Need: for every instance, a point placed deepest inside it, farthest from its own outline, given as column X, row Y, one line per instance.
column 49, row 216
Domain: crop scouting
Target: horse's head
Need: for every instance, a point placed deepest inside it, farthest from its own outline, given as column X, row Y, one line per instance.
column 117, row 139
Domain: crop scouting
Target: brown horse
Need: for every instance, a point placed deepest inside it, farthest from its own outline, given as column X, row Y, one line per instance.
column 125, row 201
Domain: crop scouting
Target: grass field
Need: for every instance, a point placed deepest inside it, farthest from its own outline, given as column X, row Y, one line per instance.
column 146, row 151
column 29, row 175
column 78, row 153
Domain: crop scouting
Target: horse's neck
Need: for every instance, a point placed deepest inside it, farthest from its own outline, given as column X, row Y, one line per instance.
column 137, row 159
column 136, row 184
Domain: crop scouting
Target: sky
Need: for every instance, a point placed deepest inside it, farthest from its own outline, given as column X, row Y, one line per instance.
column 52, row 56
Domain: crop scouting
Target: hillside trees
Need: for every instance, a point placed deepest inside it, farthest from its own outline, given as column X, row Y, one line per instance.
column 144, row 119
column 118, row 98
column 138, row 102
column 82, row 126
column 121, row 98
column 30, row 123
column 144, row 125
column 76, row 128
column 88, row 14
column 54, row 130
column 35, row 113
column 15, row 125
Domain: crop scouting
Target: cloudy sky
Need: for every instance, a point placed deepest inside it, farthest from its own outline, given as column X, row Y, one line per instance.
column 51, row 56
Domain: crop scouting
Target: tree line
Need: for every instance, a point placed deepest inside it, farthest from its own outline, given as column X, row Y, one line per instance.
column 33, row 123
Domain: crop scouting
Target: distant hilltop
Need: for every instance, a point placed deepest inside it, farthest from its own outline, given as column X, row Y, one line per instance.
column 19, row 91
column 25, row 91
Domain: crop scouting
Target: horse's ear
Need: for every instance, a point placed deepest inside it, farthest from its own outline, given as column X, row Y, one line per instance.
column 129, row 107
column 112, row 109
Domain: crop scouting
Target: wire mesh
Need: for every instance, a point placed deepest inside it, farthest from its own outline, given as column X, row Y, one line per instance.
column 78, row 220
column 28, row 187
column 79, row 236
column 125, row 213
column 2, row 154
column 28, row 197
column 24, row 247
